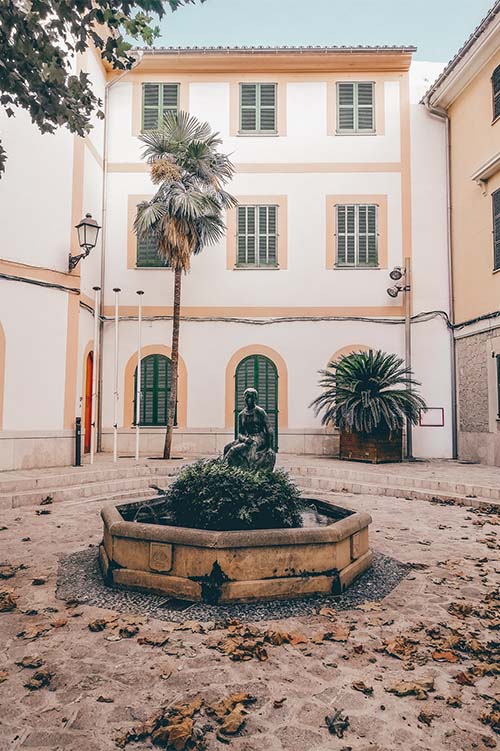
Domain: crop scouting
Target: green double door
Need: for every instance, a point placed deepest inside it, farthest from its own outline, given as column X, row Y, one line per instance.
column 260, row 373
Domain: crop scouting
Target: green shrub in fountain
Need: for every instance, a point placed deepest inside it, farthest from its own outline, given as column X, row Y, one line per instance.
column 210, row 494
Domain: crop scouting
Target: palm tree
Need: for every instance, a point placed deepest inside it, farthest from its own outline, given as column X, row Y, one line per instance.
column 186, row 213
column 367, row 391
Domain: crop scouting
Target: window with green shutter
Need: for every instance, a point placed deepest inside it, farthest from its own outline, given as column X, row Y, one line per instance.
column 147, row 254
column 356, row 235
column 260, row 373
column 156, row 378
column 258, row 108
column 158, row 100
column 257, row 236
column 496, row 229
column 355, row 107
column 495, row 82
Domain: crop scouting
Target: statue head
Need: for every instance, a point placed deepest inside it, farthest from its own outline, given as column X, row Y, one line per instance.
column 251, row 397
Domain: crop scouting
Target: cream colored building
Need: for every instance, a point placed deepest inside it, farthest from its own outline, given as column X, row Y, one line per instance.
column 467, row 95
column 340, row 176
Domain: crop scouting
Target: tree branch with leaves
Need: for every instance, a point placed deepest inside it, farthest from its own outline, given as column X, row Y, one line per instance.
column 39, row 40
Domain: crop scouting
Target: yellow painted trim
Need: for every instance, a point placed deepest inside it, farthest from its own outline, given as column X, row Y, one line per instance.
column 382, row 220
column 258, row 312
column 406, row 211
column 347, row 350
column 234, row 108
column 258, row 349
column 137, row 96
column 331, row 104
column 93, row 151
column 128, row 388
column 71, row 361
column 77, row 192
column 320, row 62
column 231, row 227
column 26, row 271
column 281, row 167
column 3, row 348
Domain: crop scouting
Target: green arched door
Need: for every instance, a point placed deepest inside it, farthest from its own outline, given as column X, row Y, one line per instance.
column 156, row 376
column 258, row 372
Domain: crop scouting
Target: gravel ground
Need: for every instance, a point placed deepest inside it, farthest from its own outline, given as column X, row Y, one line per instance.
column 79, row 577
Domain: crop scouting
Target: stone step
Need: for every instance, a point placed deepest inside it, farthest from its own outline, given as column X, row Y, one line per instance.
column 332, row 484
column 86, row 490
column 394, row 481
column 66, row 477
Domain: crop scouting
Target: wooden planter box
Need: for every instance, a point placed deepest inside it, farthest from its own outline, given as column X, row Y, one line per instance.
column 372, row 447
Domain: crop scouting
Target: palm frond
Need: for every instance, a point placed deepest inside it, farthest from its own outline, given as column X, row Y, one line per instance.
column 363, row 391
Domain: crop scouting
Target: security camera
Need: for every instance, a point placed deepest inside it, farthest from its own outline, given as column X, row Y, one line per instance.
column 396, row 274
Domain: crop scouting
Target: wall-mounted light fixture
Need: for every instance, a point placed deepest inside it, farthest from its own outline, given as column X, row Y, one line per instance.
column 88, row 232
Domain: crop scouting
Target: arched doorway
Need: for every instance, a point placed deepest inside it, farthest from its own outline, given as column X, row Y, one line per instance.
column 156, row 379
column 87, row 419
column 260, row 373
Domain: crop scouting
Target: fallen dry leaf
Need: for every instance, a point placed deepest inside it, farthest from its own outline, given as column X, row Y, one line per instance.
column 3, row 676
column 401, row 647
column 464, row 679
column 454, row 701
column 153, row 640
column 8, row 601
column 491, row 716
column 445, row 656
column 33, row 632
column 426, row 717
column 339, row 633
column 128, row 631
column 30, row 661
column 43, row 511
column 420, row 689
column 38, row 581
column 39, row 679
column 337, row 723
column 278, row 703
column 363, row 688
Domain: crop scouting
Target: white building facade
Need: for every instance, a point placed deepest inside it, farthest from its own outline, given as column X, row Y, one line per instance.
column 340, row 176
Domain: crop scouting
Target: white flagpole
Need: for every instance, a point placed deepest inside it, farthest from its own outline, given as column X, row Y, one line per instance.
column 94, row 374
column 117, row 291
column 140, row 292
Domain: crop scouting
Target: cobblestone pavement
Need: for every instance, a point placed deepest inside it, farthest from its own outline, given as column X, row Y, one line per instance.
column 102, row 683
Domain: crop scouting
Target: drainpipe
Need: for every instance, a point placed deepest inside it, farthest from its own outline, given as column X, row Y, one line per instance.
column 443, row 115
column 138, row 58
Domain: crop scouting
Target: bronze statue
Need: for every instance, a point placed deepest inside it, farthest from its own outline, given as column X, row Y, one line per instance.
column 253, row 447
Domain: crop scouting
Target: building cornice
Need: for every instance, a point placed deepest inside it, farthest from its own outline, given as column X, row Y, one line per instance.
column 270, row 60
column 467, row 63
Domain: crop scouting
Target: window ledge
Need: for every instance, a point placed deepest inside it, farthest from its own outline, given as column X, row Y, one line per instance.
column 355, row 268
column 355, row 133
column 152, row 268
column 258, row 135
column 257, row 268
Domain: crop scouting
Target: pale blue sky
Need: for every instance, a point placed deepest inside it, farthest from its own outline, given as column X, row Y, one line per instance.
column 437, row 27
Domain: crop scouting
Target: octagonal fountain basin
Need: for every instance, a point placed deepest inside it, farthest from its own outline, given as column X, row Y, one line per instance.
column 322, row 557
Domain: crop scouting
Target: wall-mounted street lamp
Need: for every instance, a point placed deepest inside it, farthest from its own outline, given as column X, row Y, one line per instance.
column 404, row 274
column 88, row 232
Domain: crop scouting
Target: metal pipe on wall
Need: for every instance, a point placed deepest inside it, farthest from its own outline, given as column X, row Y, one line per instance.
column 140, row 293
column 94, row 400
column 117, row 291
column 407, row 293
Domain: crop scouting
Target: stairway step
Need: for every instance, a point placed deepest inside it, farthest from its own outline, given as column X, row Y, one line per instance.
column 327, row 484
column 107, row 488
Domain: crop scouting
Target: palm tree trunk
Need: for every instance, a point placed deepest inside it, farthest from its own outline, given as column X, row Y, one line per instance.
column 175, row 364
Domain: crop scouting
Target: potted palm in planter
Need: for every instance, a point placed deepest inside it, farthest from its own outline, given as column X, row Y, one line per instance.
column 369, row 396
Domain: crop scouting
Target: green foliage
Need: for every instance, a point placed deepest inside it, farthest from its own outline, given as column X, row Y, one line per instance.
column 186, row 214
column 364, row 391
column 210, row 494
column 38, row 41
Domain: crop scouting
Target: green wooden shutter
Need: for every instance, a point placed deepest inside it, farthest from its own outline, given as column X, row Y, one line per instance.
column 365, row 114
column 345, row 107
column 267, row 110
column 355, row 107
column 257, row 236
column 260, row 373
column 248, row 107
column 147, row 254
column 157, row 101
column 156, row 378
column 258, row 108
column 150, row 106
column 495, row 80
column 496, row 229
column 356, row 235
